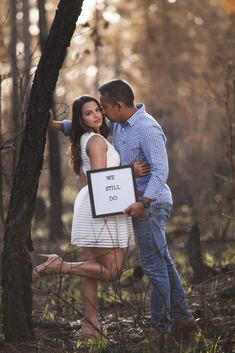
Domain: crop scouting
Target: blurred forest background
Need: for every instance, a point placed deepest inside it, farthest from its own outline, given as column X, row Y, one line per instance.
column 179, row 56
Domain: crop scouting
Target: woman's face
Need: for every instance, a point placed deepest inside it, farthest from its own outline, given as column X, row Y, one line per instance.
column 92, row 115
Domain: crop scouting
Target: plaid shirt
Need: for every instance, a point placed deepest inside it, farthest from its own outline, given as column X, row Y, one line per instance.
column 141, row 138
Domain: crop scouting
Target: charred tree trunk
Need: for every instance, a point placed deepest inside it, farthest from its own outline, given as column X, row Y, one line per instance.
column 56, row 227
column 200, row 271
column 1, row 174
column 15, row 91
column 16, row 278
column 27, row 59
column 56, row 207
column 97, row 44
column 230, row 110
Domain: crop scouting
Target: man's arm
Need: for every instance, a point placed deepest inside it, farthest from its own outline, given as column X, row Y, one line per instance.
column 153, row 146
column 137, row 208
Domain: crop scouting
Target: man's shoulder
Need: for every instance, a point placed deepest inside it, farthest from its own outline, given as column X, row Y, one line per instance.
column 148, row 120
column 149, row 128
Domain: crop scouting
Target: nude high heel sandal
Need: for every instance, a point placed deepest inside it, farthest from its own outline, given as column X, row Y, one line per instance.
column 51, row 266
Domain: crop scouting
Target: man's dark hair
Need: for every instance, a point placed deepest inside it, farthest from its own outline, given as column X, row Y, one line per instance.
column 118, row 90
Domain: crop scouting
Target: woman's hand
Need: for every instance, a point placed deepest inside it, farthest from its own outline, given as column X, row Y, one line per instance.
column 54, row 124
column 141, row 168
column 51, row 119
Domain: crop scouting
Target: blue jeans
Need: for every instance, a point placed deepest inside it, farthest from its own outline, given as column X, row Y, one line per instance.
column 167, row 295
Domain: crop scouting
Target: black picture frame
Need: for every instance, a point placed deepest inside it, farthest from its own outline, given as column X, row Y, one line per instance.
column 111, row 190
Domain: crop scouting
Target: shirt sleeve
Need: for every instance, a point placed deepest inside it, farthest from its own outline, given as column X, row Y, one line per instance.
column 154, row 148
column 67, row 127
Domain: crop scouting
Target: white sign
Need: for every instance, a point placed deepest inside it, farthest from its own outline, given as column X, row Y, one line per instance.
column 111, row 190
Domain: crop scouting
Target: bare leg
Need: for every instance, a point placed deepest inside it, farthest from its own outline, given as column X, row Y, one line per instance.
column 101, row 264
column 106, row 266
column 89, row 294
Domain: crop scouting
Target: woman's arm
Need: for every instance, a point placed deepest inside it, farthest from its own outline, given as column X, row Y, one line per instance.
column 97, row 152
column 54, row 124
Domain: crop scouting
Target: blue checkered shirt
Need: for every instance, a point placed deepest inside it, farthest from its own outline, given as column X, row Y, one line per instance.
column 141, row 138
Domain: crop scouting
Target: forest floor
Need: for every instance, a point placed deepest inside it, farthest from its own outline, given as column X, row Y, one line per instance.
column 124, row 315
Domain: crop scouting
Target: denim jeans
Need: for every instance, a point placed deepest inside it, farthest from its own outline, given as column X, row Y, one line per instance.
column 167, row 294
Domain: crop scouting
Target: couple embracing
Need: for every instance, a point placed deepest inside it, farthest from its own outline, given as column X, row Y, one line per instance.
column 139, row 140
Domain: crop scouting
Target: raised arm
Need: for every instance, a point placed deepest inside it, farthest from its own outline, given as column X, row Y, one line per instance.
column 54, row 124
column 63, row 125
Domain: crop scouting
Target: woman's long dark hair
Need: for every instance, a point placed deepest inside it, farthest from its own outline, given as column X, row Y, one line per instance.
column 79, row 128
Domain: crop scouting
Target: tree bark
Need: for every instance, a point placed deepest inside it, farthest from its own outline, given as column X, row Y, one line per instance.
column 15, row 88
column 27, row 60
column 16, row 278
column 201, row 272
column 1, row 173
column 56, row 228
column 230, row 110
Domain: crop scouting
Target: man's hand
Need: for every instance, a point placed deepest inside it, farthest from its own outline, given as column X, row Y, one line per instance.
column 135, row 210
column 141, row 168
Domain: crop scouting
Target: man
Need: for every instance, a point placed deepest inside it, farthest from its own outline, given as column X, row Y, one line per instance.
column 138, row 137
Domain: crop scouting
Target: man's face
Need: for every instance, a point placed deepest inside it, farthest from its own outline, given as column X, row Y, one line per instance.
column 111, row 110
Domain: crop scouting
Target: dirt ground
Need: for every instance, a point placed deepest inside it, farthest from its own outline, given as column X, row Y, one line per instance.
column 124, row 316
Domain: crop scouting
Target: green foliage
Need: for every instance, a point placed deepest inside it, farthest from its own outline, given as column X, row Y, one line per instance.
column 47, row 314
column 98, row 345
column 228, row 256
column 180, row 259
column 208, row 345
column 69, row 194
column 209, row 259
column 198, row 343
column 94, row 345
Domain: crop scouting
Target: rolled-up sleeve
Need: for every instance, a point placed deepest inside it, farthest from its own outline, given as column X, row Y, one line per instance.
column 153, row 145
column 67, row 127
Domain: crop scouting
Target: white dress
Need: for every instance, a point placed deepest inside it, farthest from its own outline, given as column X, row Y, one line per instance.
column 106, row 232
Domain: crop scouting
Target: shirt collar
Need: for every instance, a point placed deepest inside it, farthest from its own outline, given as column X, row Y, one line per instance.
column 140, row 110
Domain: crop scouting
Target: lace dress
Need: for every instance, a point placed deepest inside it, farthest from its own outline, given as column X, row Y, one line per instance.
column 105, row 232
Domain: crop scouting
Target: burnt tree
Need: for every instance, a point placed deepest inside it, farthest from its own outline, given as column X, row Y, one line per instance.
column 56, row 227
column 15, row 86
column 16, row 272
column 201, row 271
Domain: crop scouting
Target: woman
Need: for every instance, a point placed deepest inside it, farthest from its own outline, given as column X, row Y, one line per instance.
column 103, row 240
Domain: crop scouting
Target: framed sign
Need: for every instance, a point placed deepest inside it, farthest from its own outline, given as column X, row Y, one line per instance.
column 111, row 190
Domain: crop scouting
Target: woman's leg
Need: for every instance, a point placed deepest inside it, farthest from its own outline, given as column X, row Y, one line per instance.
column 89, row 295
column 103, row 264
column 100, row 264
column 106, row 265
